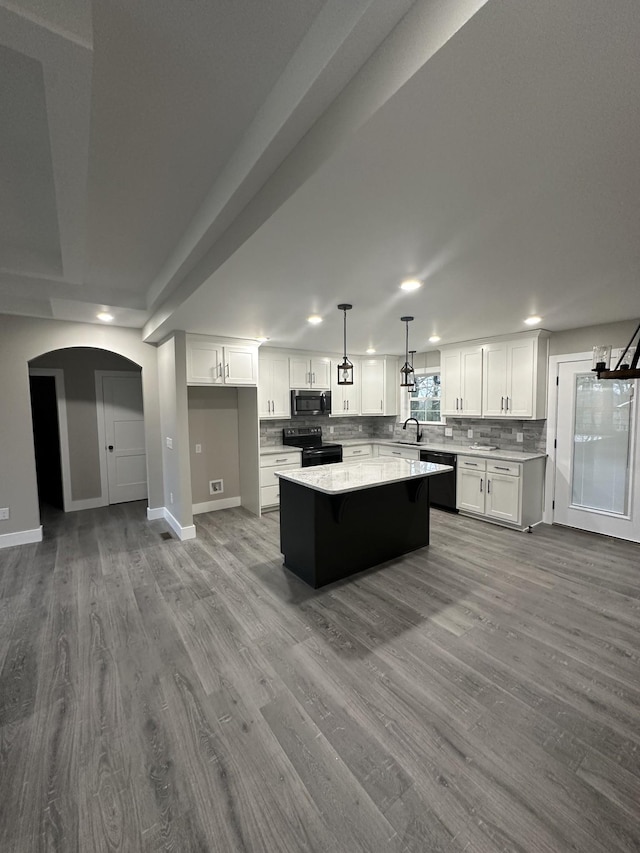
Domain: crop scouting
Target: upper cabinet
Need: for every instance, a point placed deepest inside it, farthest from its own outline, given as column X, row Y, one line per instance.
column 498, row 378
column 274, row 399
column 345, row 399
column 379, row 379
column 211, row 361
column 461, row 378
column 310, row 373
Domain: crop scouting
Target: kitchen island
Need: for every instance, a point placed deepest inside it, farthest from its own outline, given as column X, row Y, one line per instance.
column 336, row 520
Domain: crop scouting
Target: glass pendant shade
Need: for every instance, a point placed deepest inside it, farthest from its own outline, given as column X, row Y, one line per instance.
column 345, row 368
column 407, row 379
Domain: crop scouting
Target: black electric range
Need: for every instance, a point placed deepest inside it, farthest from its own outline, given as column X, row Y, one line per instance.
column 314, row 452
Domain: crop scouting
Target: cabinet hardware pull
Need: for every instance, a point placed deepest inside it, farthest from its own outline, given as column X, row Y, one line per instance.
column 456, row 404
column 507, row 408
column 472, row 464
column 481, row 482
column 501, row 404
column 314, row 378
column 227, row 370
column 461, row 403
column 488, row 486
column 501, row 468
column 381, row 405
column 280, row 460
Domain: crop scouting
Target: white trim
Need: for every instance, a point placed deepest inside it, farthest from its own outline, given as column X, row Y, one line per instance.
column 182, row 532
column 63, row 431
column 99, row 375
column 154, row 513
column 211, row 506
column 21, row 537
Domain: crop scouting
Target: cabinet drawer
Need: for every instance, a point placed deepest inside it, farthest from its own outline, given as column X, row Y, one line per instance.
column 512, row 469
column 356, row 452
column 272, row 460
column 269, row 495
column 400, row 453
column 268, row 475
column 472, row 463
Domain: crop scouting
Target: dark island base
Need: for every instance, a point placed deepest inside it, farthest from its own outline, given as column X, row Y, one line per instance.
column 328, row 537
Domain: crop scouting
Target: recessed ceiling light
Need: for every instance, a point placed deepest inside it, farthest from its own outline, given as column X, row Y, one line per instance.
column 370, row 351
column 411, row 284
column 314, row 319
column 434, row 339
column 532, row 321
column 105, row 316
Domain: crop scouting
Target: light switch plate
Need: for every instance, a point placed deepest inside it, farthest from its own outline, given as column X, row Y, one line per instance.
column 4, row 513
column 469, row 433
column 359, row 427
column 520, row 437
column 198, row 448
column 448, row 431
column 331, row 429
column 169, row 443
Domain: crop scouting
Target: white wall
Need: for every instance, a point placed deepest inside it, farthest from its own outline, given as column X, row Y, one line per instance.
column 23, row 339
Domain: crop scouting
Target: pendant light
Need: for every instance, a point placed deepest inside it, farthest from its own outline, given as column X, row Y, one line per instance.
column 345, row 368
column 411, row 388
column 627, row 366
column 406, row 371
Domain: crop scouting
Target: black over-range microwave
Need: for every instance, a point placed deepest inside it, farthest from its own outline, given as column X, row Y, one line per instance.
column 311, row 402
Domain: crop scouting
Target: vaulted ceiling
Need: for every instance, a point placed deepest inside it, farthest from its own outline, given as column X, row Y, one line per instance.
column 232, row 167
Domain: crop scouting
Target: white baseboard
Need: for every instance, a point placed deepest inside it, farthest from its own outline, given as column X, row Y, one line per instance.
column 211, row 506
column 155, row 513
column 21, row 537
column 87, row 503
column 182, row 533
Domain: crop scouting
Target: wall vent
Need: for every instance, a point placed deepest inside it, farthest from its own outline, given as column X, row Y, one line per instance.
column 216, row 487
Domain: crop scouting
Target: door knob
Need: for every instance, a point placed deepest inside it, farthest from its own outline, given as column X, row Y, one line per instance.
column 111, row 447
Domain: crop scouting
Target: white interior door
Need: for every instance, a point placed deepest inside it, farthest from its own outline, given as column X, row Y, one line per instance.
column 124, row 438
column 596, row 478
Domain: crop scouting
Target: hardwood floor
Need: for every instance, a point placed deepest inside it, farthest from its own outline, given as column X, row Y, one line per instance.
column 479, row 695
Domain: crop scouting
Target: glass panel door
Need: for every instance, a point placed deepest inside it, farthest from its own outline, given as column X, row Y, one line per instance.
column 601, row 444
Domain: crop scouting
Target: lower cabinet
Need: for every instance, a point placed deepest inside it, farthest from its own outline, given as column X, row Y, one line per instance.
column 509, row 493
column 399, row 452
column 269, row 483
column 359, row 451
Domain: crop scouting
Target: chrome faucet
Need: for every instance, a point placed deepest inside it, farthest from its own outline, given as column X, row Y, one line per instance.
column 418, row 433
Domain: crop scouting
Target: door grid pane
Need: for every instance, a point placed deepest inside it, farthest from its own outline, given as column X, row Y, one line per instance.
column 600, row 477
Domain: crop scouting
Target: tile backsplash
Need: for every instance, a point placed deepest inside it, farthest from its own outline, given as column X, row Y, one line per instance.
column 501, row 433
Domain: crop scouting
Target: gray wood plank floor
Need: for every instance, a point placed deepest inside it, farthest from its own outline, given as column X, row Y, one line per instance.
column 479, row 695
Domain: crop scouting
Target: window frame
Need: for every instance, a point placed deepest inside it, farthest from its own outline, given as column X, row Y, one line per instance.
column 405, row 407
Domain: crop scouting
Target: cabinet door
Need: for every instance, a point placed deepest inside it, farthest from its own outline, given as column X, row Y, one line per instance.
column 494, row 380
column 372, row 386
column 520, row 378
column 299, row 373
column 280, row 396
column 471, row 490
column 471, row 382
column 321, row 373
column 503, row 497
column 450, row 380
column 264, row 388
column 204, row 363
column 240, row 366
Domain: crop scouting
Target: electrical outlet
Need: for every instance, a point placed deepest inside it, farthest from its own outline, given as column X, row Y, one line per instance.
column 198, row 448
column 469, row 433
column 169, row 443
column 390, row 427
column 4, row 513
column 359, row 427
column 216, row 487
column 520, row 437
column 171, row 498
column 331, row 429
column 448, row 431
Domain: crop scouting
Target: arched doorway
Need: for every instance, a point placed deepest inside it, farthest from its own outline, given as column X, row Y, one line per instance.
column 91, row 399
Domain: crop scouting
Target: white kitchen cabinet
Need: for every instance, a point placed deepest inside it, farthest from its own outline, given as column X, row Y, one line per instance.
column 269, row 483
column 358, row 451
column 515, row 377
column 380, row 380
column 509, row 493
column 399, row 452
column 310, row 373
column 461, row 379
column 274, row 399
column 212, row 362
column 345, row 399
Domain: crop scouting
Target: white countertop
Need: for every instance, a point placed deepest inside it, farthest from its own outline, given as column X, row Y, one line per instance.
column 345, row 477
column 458, row 449
column 277, row 449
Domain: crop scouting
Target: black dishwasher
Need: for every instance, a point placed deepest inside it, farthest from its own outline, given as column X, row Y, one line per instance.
column 442, row 489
